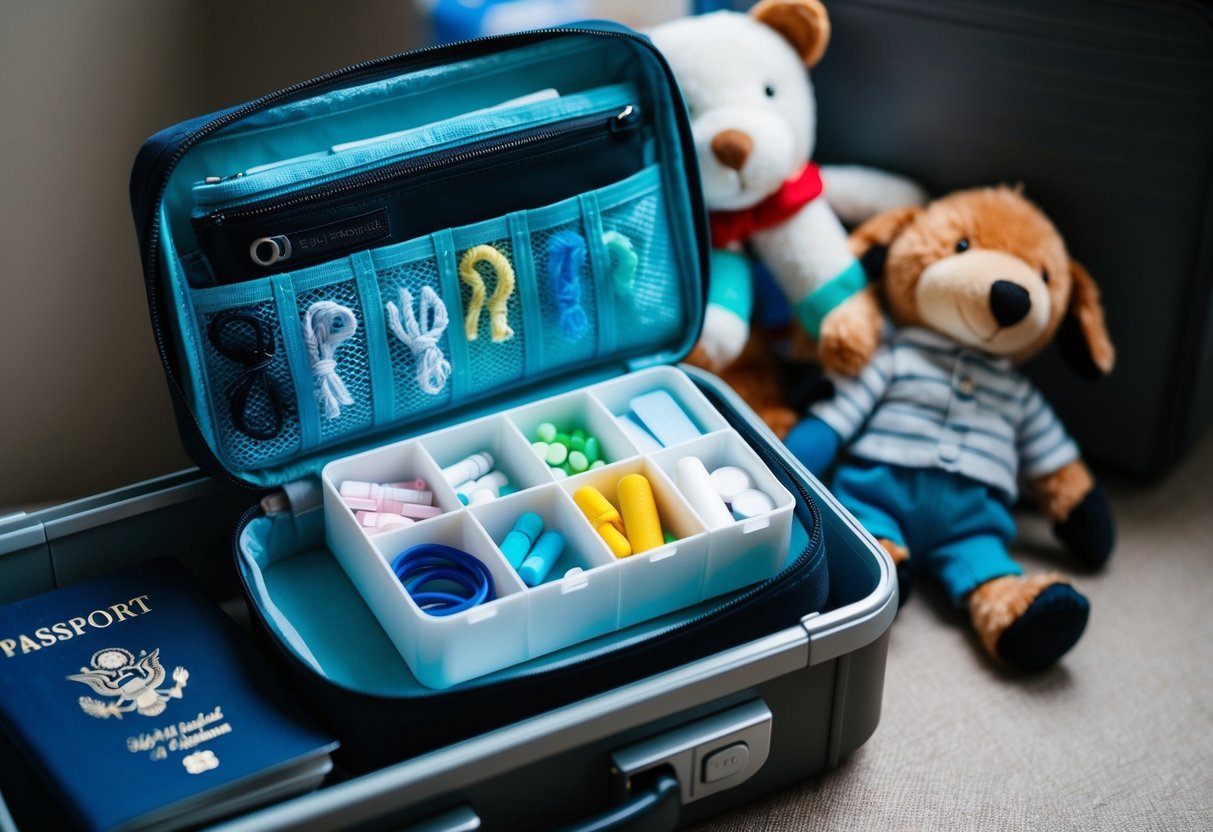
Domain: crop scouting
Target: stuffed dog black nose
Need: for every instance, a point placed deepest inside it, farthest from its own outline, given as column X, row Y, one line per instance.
column 1009, row 302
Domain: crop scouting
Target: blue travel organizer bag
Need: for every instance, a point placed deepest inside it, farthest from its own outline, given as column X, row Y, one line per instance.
column 541, row 188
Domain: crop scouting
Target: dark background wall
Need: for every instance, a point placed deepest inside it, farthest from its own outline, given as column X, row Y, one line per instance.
column 83, row 406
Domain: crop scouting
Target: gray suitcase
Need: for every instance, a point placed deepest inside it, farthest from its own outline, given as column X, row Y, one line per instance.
column 728, row 727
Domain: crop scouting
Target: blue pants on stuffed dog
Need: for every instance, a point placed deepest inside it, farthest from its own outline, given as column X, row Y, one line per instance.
column 956, row 529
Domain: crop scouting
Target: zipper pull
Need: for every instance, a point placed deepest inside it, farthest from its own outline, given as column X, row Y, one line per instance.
column 215, row 180
column 627, row 119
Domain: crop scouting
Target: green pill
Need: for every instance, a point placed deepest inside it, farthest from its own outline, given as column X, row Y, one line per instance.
column 579, row 433
column 592, row 452
column 563, row 439
column 557, row 454
column 578, row 462
column 596, row 464
column 577, row 443
column 670, row 537
column 540, row 449
column 546, row 432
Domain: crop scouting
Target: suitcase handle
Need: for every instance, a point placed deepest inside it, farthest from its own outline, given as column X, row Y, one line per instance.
column 653, row 809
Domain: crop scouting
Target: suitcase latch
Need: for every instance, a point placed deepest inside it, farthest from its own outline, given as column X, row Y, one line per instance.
column 708, row 756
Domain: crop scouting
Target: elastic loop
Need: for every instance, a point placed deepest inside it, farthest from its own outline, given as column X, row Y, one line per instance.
column 426, row 563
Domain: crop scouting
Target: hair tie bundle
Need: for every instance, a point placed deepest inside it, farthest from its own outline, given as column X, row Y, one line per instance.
column 566, row 257
column 326, row 326
column 623, row 254
column 498, row 309
column 443, row 580
column 421, row 335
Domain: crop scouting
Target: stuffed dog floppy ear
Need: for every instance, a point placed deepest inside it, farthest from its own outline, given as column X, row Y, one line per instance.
column 803, row 23
column 1083, row 340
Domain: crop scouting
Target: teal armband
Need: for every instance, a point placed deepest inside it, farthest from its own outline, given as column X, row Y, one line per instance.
column 812, row 310
column 731, row 284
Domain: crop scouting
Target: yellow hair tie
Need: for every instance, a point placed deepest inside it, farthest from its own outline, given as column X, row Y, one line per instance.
column 498, row 309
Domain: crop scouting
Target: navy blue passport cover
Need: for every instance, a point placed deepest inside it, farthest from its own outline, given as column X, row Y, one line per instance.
column 134, row 693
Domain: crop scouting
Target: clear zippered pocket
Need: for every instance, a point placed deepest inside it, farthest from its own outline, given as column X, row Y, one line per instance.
column 387, row 203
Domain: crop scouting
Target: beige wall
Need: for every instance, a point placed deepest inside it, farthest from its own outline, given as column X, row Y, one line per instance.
column 83, row 405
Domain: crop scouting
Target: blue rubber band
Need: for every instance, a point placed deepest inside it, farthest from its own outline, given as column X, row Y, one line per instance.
column 428, row 563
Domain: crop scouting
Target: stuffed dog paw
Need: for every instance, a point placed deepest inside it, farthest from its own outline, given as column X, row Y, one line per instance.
column 940, row 425
column 753, row 116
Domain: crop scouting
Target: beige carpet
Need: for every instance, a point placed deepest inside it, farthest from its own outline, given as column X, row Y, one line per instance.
column 1118, row 736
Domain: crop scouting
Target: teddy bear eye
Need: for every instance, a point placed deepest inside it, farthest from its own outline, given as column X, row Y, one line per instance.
column 962, row 244
column 1044, row 275
column 770, row 91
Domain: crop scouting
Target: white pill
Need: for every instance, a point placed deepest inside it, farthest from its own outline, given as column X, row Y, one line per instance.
column 484, row 495
column 730, row 481
column 492, row 481
column 695, row 483
column 469, row 468
column 560, row 473
column 751, row 503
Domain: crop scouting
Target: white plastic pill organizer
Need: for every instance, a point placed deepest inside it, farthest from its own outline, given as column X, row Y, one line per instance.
column 589, row 592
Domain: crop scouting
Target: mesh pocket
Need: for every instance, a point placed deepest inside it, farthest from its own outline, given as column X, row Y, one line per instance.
column 566, row 294
column 251, row 395
column 418, row 379
column 648, row 299
column 340, row 366
column 495, row 354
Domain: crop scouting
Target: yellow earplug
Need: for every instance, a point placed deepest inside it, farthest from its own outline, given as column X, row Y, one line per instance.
column 604, row 518
column 641, row 522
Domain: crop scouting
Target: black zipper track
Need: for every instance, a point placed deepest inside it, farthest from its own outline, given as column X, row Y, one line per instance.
column 415, row 59
column 813, row 548
column 409, row 167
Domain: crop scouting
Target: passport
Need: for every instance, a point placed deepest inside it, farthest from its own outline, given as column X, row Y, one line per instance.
column 142, row 706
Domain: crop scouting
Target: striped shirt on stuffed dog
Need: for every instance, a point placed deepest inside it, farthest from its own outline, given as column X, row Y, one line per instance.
column 925, row 401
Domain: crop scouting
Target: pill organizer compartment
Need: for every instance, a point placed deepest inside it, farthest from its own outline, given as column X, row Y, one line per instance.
column 617, row 396
column 572, row 411
column 567, row 607
column 608, row 593
column 659, row 580
column 748, row 550
column 397, row 462
column 496, row 435
column 447, row 649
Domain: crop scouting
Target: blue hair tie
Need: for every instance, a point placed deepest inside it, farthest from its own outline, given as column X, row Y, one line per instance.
column 566, row 257
column 427, row 570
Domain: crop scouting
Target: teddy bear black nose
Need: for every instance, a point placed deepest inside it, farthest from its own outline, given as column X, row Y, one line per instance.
column 732, row 148
column 1009, row 302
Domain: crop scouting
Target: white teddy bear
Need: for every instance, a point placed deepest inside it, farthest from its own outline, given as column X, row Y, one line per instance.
column 753, row 116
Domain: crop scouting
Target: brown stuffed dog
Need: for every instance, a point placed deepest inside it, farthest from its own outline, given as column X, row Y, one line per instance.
column 940, row 425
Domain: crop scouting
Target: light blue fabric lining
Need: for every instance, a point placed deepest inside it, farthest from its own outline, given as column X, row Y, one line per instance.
column 296, row 352
column 527, row 290
column 600, row 268
column 376, row 338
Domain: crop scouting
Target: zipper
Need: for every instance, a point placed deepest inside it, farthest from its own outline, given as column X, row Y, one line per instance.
column 813, row 548
column 364, row 183
column 414, row 60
